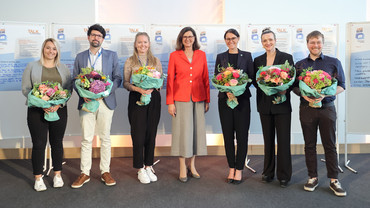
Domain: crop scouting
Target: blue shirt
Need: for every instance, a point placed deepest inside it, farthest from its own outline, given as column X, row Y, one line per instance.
column 328, row 64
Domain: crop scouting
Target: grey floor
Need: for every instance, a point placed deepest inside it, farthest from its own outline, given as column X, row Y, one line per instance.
column 211, row 190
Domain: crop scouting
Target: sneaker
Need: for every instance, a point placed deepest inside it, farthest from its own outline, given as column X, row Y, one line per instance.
column 311, row 184
column 58, row 181
column 107, row 178
column 143, row 176
column 150, row 172
column 39, row 184
column 337, row 188
column 80, row 181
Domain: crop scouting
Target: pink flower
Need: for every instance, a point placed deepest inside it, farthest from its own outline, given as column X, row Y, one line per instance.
column 263, row 73
column 300, row 78
column 94, row 73
column 307, row 79
column 233, row 82
column 156, row 74
column 43, row 88
column 46, row 98
column 97, row 86
column 267, row 78
column 230, row 68
column 236, row 75
column 315, row 81
column 283, row 75
column 50, row 92
column 219, row 77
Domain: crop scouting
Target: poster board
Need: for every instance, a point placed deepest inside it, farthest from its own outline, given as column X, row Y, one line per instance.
column 358, row 78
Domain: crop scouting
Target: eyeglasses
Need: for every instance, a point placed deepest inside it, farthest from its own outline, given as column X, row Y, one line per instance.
column 187, row 37
column 231, row 39
column 96, row 35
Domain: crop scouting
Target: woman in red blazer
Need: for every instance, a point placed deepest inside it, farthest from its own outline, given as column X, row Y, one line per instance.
column 188, row 99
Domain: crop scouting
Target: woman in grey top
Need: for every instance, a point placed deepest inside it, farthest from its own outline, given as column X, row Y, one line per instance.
column 48, row 68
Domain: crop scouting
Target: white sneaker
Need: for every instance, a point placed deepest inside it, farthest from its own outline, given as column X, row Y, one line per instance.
column 58, row 181
column 39, row 184
column 143, row 176
column 150, row 172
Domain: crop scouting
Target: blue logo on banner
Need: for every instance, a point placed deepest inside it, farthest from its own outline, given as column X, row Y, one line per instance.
column 254, row 35
column 359, row 33
column 203, row 37
column 158, row 37
column 107, row 35
column 2, row 35
column 299, row 34
column 61, row 35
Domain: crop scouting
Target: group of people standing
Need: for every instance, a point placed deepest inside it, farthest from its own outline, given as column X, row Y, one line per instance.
column 188, row 98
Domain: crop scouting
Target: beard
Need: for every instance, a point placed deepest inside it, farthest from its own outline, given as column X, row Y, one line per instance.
column 95, row 44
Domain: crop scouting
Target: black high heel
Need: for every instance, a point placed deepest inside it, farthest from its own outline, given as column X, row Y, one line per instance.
column 237, row 182
column 194, row 175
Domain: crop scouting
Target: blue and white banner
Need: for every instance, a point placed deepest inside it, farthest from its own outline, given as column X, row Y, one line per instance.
column 210, row 38
column 360, row 55
column 283, row 38
column 299, row 43
column 73, row 40
column 20, row 43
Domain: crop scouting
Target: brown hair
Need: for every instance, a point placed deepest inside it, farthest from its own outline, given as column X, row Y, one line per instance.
column 180, row 45
column 267, row 31
column 315, row 34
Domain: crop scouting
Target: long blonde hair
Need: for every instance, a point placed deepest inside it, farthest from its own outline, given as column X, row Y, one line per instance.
column 57, row 57
column 152, row 61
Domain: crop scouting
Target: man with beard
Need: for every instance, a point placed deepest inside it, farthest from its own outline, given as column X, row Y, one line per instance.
column 104, row 61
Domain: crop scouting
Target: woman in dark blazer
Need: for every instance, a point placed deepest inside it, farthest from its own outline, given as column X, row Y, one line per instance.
column 274, row 117
column 235, row 120
column 48, row 68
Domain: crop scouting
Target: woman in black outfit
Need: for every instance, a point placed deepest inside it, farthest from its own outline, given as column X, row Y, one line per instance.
column 274, row 117
column 48, row 68
column 235, row 120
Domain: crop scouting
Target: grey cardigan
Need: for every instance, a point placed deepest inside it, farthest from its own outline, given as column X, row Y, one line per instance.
column 33, row 72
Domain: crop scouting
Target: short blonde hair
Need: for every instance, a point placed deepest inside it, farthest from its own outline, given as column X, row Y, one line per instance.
column 57, row 57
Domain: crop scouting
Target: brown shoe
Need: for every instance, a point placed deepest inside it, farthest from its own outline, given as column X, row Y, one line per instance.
column 80, row 181
column 107, row 178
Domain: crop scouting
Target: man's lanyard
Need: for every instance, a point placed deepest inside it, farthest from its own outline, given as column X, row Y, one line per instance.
column 93, row 65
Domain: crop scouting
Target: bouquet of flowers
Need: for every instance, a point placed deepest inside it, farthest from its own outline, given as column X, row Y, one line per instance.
column 316, row 83
column 147, row 77
column 231, row 80
column 47, row 94
column 274, row 79
column 93, row 85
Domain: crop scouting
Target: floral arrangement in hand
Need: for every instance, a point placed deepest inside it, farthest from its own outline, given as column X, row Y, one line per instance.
column 231, row 80
column 230, row 77
column 147, row 77
column 316, row 84
column 317, row 79
column 48, row 94
column 148, row 71
column 92, row 85
column 275, row 79
column 92, row 80
column 49, row 91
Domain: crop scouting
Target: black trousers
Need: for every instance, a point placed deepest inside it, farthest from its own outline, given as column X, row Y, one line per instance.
column 39, row 129
column 144, row 123
column 323, row 119
column 279, row 123
column 235, row 122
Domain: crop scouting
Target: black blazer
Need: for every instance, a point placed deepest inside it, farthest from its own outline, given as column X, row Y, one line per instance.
column 264, row 102
column 245, row 63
